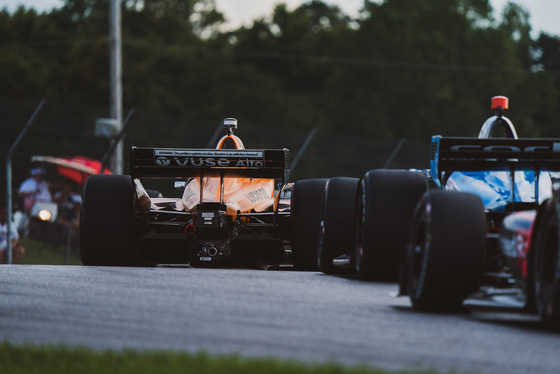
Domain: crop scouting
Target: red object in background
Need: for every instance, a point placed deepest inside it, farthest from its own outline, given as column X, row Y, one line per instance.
column 79, row 168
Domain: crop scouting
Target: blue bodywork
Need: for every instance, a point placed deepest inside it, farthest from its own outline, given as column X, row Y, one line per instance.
column 494, row 187
column 491, row 178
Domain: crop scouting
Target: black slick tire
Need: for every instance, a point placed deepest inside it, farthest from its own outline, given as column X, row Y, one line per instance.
column 335, row 236
column 445, row 253
column 107, row 221
column 385, row 206
column 305, row 211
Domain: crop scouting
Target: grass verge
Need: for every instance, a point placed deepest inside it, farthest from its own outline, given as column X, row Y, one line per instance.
column 59, row 360
column 43, row 253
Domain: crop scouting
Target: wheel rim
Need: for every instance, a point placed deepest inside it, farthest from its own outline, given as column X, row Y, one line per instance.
column 417, row 253
column 418, row 249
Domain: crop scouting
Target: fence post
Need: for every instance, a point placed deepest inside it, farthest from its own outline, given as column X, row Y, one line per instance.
column 303, row 148
column 9, row 178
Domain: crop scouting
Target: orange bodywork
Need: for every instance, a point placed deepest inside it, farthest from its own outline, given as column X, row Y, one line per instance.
column 239, row 194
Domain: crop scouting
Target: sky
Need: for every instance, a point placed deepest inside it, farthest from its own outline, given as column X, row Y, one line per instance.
column 544, row 13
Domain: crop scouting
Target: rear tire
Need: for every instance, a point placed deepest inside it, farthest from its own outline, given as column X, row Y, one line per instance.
column 107, row 221
column 335, row 236
column 386, row 202
column 307, row 199
column 446, row 250
column 546, row 267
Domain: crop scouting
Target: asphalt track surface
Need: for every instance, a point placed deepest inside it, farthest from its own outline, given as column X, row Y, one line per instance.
column 304, row 316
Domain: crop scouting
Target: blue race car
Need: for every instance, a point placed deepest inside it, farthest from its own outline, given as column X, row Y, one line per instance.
column 479, row 228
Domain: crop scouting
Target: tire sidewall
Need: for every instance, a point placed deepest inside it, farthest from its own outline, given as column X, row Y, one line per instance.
column 547, row 254
column 305, row 212
column 337, row 219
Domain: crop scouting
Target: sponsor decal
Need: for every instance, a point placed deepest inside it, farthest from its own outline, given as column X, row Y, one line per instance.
column 215, row 153
column 208, row 158
column 208, row 162
column 258, row 195
column 163, row 161
column 555, row 147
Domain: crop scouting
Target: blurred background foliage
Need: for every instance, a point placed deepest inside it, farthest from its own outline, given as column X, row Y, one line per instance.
column 404, row 69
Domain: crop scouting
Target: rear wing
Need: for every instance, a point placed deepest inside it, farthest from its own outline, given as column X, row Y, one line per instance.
column 491, row 154
column 192, row 163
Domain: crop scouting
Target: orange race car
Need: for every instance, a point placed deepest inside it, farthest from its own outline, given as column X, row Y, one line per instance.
column 229, row 212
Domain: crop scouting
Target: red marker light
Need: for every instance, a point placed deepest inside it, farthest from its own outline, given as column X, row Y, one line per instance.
column 500, row 102
column 190, row 229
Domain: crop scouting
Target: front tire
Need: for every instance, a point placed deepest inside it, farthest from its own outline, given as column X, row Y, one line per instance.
column 445, row 253
column 546, row 267
column 107, row 221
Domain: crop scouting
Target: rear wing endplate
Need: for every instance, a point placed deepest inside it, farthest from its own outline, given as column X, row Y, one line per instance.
column 192, row 163
column 492, row 154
